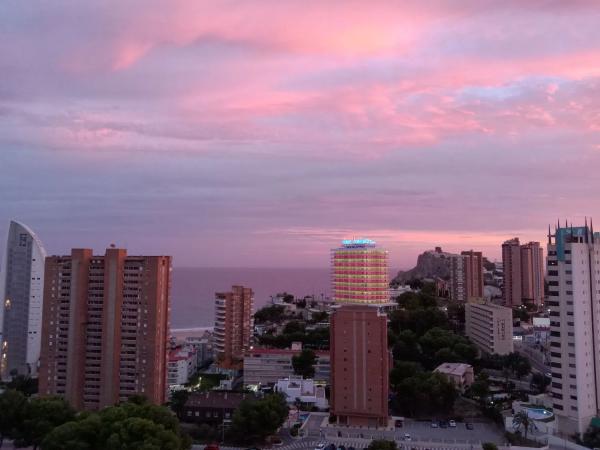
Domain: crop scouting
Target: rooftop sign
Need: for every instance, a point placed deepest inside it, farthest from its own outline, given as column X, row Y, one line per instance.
column 358, row 242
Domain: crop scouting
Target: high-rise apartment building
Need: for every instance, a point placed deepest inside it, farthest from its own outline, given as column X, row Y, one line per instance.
column 233, row 325
column 523, row 273
column 359, row 272
column 532, row 273
column 511, row 260
column 574, row 303
column 105, row 327
column 490, row 327
column 359, row 366
column 21, row 288
column 466, row 276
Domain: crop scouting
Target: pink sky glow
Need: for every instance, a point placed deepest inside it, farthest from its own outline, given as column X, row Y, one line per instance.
column 260, row 133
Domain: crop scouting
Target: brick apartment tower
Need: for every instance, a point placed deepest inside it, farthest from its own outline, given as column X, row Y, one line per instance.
column 466, row 276
column 105, row 327
column 473, row 273
column 532, row 273
column 511, row 260
column 233, row 325
column 360, row 364
column 523, row 273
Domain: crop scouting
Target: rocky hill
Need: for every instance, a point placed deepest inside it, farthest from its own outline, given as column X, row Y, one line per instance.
column 431, row 264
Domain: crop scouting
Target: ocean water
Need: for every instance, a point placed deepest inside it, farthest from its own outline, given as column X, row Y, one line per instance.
column 193, row 289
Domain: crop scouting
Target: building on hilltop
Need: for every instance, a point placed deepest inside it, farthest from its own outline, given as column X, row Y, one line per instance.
column 105, row 327
column 21, row 290
column 574, row 303
column 359, row 271
column 233, row 326
column 360, row 363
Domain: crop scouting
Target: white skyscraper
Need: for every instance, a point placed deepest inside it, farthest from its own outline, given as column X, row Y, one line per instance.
column 22, row 290
column 574, row 303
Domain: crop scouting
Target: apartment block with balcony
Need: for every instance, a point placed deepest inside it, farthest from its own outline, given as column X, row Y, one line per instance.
column 233, row 326
column 490, row 327
column 265, row 366
column 105, row 327
column 573, row 275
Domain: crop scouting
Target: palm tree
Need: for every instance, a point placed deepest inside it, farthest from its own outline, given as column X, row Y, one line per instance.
column 522, row 420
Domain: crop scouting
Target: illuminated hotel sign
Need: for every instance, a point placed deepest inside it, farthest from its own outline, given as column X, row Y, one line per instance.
column 358, row 242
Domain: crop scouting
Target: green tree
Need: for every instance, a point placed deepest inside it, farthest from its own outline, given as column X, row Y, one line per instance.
column 40, row 417
column 403, row 370
column 273, row 313
column 521, row 421
column 304, row 363
column 27, row 385
column 591, row 437
column 424, row 394
column 539, row 382
column 320, row 316
column 489, row 446
column 85, row 433
column 134, row 424
column 12, row 407
column 134, row 433
column 294, row 326
column 480, row 389
column 254, row 420
column 178, row 400
column 382, row 444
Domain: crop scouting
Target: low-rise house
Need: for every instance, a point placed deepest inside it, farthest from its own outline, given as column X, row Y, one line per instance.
column 264, row 366
column 304, row 391
column 460, row 374
column 213, row 407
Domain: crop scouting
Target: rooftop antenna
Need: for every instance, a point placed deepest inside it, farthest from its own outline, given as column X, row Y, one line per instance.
column 549, row 238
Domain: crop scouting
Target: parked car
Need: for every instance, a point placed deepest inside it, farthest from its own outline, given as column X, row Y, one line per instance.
column 443, row 424
column 434, row 424
column 320, row 446
column 212, row 447
column 398, row 424
column 407, row 437
column 469, row 426
column 452, row 424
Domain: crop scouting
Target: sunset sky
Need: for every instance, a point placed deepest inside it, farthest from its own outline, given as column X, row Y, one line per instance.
column 260, row 133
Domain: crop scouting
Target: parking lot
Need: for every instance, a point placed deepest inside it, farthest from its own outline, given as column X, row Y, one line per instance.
column 423, row 432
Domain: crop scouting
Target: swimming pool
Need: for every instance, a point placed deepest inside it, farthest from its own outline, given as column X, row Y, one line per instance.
column 539, row 413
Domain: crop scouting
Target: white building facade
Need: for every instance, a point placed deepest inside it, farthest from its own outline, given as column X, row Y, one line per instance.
column 298, row 389
column 490, row 327
column 22, row 291
column 573, row 275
